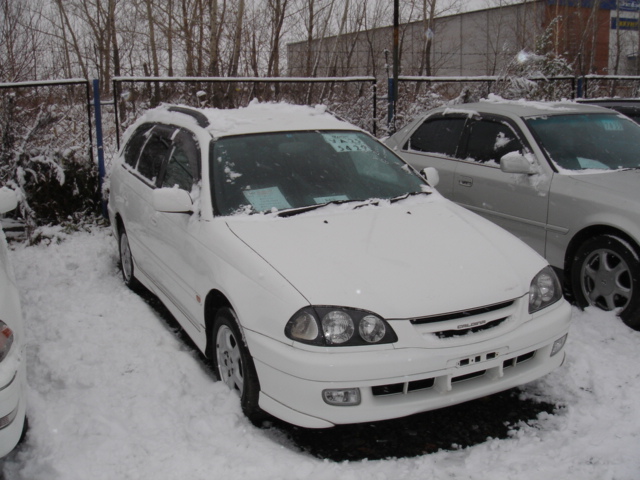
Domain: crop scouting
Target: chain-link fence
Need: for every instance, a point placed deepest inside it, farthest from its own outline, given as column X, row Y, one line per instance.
column 46, row 150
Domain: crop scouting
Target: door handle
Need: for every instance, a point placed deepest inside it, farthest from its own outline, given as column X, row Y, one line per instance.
column 465, row 182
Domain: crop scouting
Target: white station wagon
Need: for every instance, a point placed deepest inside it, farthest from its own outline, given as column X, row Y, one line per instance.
column 324, row 278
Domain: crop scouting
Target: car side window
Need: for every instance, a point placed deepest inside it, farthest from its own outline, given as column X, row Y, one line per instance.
column 490, row 140
column 182, row 167
column 135, row 144
column 439, row 135
column 154, row 153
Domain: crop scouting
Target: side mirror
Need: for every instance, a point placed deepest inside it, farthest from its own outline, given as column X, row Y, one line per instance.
column 172, row 200
column 8, row 200
column 432, row 176
column 515, row 162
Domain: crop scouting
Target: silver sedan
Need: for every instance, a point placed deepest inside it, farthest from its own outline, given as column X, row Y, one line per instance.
column 562, row 177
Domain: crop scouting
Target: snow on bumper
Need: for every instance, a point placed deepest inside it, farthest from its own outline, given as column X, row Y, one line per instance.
column 403, row 381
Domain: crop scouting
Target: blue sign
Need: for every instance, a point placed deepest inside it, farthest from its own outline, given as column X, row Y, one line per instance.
column 624, row 23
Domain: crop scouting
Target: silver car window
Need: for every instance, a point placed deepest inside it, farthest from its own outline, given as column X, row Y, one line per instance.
column 588, row 141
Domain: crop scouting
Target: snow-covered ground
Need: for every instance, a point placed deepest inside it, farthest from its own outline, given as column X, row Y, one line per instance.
column 115, row 394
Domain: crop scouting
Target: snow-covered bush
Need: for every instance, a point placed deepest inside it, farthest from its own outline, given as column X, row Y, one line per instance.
column 45, row 157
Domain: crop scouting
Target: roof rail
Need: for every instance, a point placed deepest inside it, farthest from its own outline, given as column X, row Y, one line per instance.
column 200, row 117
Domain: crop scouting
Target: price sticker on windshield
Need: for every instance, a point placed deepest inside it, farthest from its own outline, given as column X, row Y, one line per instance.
column 345, row 142
column 612, row 125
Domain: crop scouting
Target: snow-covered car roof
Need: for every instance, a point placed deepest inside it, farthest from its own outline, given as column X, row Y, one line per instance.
column 522, row 108
column 255, row 118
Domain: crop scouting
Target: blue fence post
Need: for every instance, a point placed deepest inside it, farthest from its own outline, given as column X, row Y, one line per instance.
column 580, row 89
column 99, row 145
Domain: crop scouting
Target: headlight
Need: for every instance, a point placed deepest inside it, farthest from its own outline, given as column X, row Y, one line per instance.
column 545, row 290
column 6, row 340
column 338, row 326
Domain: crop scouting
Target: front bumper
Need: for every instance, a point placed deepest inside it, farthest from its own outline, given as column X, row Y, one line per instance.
column 396, row 382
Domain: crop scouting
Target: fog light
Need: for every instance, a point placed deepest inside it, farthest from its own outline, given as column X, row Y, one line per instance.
column 344, row 397
column 558, row 344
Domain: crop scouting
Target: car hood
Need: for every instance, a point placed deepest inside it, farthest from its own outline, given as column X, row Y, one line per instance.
column 624, row 182
column 399, row 261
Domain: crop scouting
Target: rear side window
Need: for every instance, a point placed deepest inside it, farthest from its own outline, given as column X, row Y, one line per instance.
column 183, row 166
column 135, row 144
column 154, row 152
column 440, row 135
column 490, row 140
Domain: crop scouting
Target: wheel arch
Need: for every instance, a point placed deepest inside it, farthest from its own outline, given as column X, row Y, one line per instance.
column 590, row 232
column 213, row 303
column 119, row 224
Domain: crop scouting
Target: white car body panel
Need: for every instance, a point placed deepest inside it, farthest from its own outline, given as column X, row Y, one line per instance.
column 365, row 257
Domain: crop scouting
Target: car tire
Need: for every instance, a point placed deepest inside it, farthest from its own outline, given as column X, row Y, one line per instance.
column 126, row 261
column 234, row 366
column 606, row 274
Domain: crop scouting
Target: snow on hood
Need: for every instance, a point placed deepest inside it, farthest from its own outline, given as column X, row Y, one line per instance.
column 398, row 261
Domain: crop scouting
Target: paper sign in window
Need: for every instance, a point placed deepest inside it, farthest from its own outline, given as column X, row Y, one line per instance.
column 345, row 142
column 265, row 199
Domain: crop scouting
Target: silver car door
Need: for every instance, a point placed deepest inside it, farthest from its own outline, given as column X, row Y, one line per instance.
column 516, row 202
column 434, row 143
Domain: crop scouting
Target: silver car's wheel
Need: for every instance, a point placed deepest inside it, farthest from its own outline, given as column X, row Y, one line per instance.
column 606, row 274
column 233, row 364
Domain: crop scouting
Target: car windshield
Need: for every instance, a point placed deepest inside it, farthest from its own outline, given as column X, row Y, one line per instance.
column 300, row 170
column 589, row 142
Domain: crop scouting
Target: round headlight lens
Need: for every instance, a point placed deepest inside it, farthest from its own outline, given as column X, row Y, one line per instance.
column 371, row 329
column 545, row 289
column 304, row 327
column 337, row 327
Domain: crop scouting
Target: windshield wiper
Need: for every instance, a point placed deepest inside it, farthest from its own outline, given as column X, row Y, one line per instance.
column 363, row 203
column 404, row 196
column 295, row 211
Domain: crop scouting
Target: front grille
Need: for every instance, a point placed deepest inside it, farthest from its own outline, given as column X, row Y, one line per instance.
column 399, row 388
column 512, row 362
column 457, row 333
column 462, row 314
column 468, row 376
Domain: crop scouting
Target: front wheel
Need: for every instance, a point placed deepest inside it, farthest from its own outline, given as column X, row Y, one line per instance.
column 126, row 261
column 606, row 274
column 234, row 366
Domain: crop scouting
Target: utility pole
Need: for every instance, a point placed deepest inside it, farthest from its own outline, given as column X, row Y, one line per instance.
column 394, row 92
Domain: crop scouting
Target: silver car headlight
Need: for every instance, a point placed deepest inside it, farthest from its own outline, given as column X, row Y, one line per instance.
column 545, row 290
column 338, row 326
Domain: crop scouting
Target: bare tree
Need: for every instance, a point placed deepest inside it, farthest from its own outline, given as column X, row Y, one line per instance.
column 278, row 10
column 237, row 41
column 21, row 41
